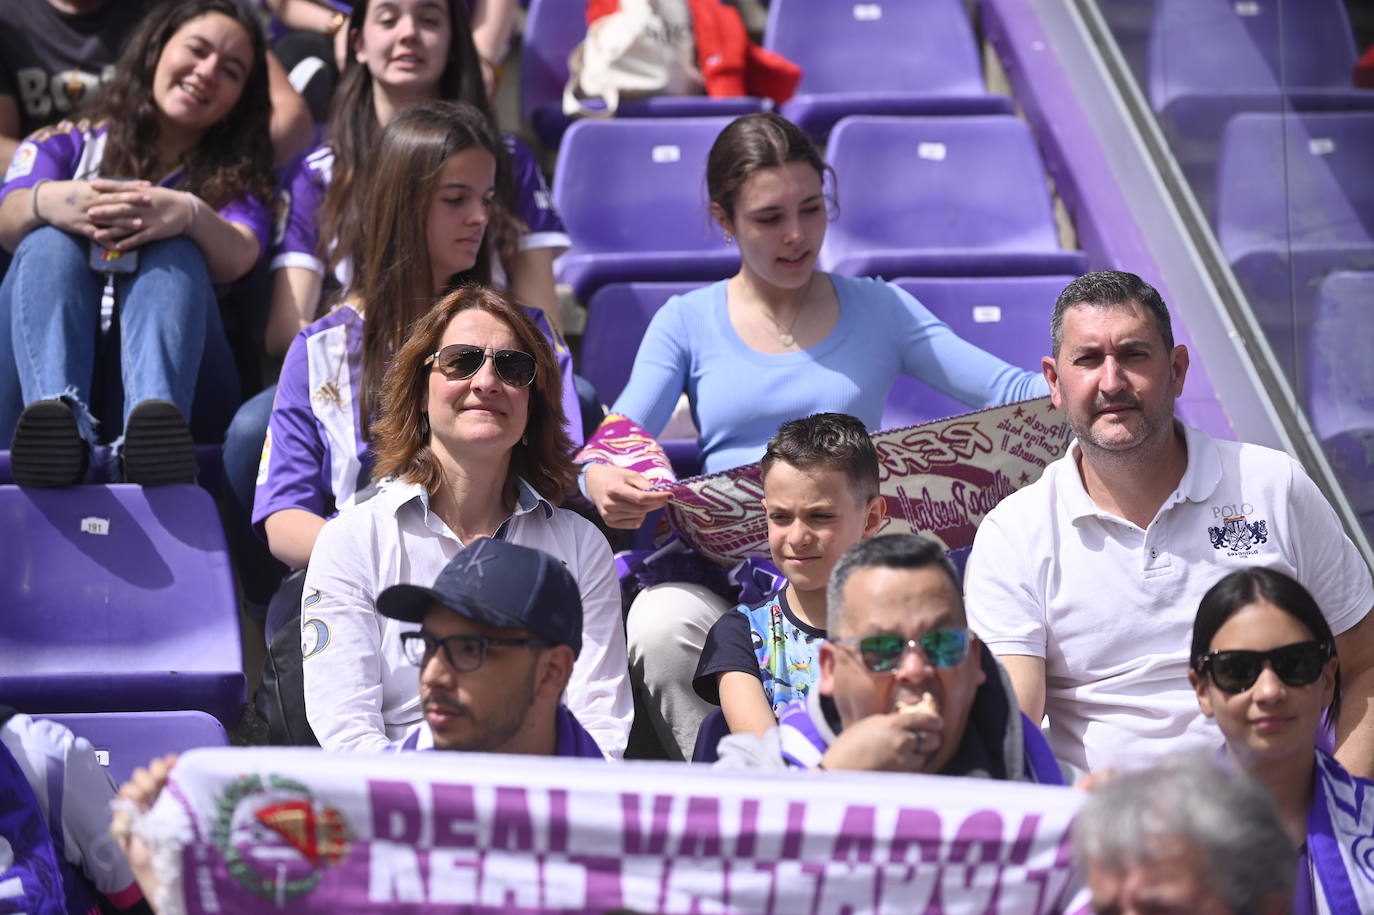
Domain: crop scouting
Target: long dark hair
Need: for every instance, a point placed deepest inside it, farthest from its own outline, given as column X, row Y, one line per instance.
column 542, row 458
column 354, row 131
column 392, row 275
column 233, row 157
column 1247, row 586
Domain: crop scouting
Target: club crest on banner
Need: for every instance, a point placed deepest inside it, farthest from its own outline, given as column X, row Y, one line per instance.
column 275, row 840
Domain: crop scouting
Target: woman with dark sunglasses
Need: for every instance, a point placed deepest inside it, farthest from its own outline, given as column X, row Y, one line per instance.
column 1265, row 670
column 470, row 443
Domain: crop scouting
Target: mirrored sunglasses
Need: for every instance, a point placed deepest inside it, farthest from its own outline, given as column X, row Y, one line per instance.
column 941, row 648
column 1236, row 671
column 463, row 360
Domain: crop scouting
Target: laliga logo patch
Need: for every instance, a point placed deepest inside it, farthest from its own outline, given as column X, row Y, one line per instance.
column 275, row 838
column 22, row 162
column 1237, row 536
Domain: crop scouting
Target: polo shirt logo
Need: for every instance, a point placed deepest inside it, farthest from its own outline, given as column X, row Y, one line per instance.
column 1239, row 536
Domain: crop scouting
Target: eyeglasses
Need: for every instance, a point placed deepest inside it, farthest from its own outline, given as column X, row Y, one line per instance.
column 881, row 653
column 1236, row 671
column 464, row 653
column 463, row 360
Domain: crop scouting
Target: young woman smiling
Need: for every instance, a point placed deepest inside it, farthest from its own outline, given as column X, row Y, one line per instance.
column 172, row 165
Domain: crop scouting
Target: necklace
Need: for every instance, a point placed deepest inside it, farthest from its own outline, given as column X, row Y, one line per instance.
column 785, row 336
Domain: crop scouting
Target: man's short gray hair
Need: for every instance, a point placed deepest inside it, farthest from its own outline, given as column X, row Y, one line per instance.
column 889, row 551
column 1225, row 816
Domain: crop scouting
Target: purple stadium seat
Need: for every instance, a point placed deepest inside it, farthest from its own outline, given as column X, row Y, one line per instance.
column 117, row 598
column 1212, row 59
column 123, row 741
column 895, row 57
column 1339, row 388
column 617, row 317
column 1295, row 201
column 632, row 194
column 956, row 196
column 553, row 28
column 1009, row 316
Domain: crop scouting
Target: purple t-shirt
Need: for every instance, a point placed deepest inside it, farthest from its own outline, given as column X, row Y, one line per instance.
column 314, row 457
column 73, row 150
column 571, row 738
column 296, row 241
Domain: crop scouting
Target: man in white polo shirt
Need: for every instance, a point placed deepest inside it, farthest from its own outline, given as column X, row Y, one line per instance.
column 1085, row 584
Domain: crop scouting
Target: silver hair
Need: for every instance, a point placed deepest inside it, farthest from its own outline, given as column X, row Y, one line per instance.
column 1225, row 816
column 889, row 551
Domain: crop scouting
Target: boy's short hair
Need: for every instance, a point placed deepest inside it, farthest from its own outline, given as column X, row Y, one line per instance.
column 833, row 441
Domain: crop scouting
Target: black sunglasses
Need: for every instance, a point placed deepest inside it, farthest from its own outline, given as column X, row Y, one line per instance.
column 463, row 360
column 464, row 653
column 1236, row 671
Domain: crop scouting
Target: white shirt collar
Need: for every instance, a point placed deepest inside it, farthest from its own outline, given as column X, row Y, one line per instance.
column 396, row 493
column 1200, row 476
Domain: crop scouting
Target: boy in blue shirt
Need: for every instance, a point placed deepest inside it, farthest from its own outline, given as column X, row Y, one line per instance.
column 820, row 485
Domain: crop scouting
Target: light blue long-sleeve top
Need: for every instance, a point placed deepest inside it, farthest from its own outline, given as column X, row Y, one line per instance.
column 740, row 396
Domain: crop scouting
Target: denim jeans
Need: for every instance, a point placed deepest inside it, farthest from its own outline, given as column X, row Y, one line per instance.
column 259, row 572
column 50, row 327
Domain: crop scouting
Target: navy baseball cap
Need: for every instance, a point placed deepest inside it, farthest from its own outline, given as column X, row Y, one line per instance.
column 500, row 584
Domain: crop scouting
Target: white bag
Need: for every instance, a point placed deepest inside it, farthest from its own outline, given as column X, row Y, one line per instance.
column 624, row 53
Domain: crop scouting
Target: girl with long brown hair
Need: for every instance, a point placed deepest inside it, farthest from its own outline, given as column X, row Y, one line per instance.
column 401, row 52
column 165, row 184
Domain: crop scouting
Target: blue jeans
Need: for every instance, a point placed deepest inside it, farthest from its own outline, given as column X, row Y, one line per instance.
column 50, row 304
column 259, row 571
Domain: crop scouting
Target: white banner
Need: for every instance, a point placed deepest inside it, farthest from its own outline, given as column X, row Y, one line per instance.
column 248, row 830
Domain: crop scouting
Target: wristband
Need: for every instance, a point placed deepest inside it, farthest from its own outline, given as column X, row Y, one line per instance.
column 33, row 198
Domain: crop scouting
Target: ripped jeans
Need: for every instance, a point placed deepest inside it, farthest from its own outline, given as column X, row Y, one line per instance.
column 169, row 323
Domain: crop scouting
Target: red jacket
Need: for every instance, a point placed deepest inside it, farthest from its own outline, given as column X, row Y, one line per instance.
column 730, row 63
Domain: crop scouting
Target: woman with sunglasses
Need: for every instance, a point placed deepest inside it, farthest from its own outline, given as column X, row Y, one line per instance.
column 1265, row 670
column 436, row 172
column 470, row 443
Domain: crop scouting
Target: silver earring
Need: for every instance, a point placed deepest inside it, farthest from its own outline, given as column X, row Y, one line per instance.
column 525, row 439
column 729, row 239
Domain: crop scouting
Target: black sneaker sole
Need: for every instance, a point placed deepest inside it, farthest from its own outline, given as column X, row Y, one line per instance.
column 47, row 449
column 158, row 450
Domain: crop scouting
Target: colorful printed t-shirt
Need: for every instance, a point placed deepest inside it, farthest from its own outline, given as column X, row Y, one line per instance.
column 768, row 641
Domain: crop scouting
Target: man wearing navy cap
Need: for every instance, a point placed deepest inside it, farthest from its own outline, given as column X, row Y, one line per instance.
column 498, row 635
